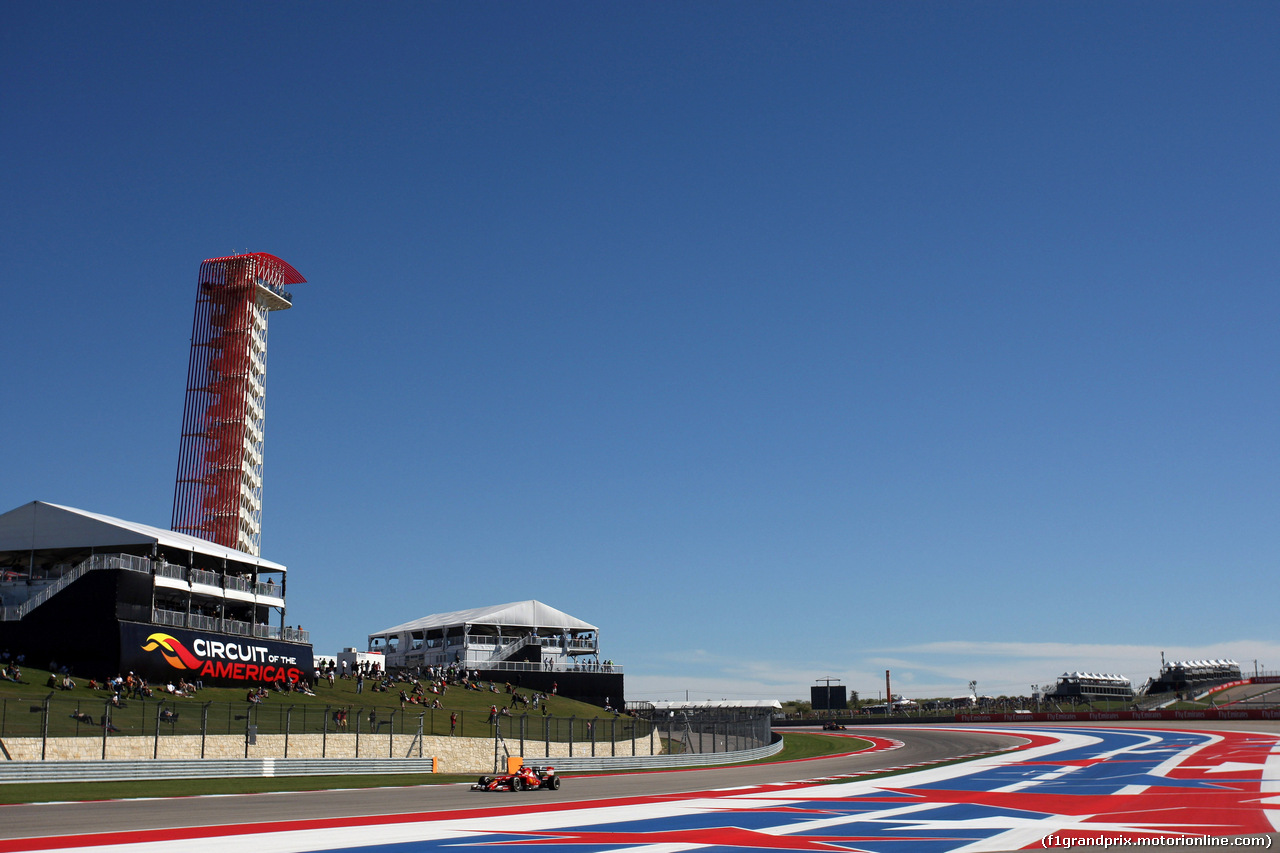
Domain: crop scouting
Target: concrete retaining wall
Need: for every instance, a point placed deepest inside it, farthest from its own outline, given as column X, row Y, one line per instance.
column 454, row 754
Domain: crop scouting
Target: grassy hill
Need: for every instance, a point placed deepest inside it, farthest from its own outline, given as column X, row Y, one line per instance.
column 226, row 711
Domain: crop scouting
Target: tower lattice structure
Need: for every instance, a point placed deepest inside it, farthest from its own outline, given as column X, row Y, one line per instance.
column 218, row 495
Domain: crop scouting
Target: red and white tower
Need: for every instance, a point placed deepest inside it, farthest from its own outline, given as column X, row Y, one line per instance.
column 218, row 495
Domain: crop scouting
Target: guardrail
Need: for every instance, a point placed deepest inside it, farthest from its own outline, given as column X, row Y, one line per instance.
column 124, row 771
column 654, row 762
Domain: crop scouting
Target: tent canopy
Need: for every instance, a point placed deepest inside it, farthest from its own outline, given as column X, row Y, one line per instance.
column 40, row 526
column 522, row 614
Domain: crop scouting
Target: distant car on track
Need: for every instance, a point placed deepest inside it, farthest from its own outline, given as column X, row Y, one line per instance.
column 526, row 778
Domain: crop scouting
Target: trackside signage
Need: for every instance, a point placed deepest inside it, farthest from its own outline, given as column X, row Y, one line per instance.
column 1107, row 716
column 165, row 654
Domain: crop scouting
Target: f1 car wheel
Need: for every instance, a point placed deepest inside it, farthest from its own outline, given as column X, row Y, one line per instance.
column 485, row 780
column 517, row 784
column 553, row 783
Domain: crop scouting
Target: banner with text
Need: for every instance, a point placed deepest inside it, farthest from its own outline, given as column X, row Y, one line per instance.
column 163, row 654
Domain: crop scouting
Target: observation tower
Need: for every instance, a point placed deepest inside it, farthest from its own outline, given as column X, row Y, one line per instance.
column 218, row 495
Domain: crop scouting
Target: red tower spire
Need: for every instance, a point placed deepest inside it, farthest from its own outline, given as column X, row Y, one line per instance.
column 218, row 495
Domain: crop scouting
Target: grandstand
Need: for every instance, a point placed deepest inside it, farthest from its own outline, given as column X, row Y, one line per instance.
column 526, row 643
column 1091, row 687
column 1192, row 675
column 103, row 596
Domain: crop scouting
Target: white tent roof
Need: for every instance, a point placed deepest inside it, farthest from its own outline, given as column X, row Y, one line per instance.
column 38, row 525
column 523, row 614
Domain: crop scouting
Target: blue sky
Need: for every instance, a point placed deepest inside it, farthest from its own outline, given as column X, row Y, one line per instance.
column 779, row 340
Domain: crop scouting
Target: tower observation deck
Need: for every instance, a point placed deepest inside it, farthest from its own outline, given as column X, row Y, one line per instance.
column 218, row 494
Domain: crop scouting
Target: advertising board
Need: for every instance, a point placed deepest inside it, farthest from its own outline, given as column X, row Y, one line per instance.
column 163, row 654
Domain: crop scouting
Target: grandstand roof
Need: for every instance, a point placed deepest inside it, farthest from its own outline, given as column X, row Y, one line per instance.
column 38, row 526
column 525, row 614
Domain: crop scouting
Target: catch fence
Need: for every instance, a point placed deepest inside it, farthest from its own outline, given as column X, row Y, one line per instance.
column 158, row 718
column 532, row 734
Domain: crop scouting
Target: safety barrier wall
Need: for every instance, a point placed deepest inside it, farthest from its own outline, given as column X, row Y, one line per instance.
column 1125, row 716
column 653, row 762
column 122, row 771
column 1225, row 713
column 133, row 770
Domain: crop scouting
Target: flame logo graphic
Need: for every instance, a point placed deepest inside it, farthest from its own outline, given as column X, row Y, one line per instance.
column 174, row 652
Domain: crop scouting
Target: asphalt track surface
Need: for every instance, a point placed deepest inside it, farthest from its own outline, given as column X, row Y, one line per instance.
column 47, row 819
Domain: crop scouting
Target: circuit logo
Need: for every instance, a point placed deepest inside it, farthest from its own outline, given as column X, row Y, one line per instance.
column 217, row 659
column 174, row 652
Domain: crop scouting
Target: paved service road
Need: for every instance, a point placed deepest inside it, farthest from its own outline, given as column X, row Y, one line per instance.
column 25, row 821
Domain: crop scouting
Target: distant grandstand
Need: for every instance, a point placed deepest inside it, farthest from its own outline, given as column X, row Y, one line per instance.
column 526, row 643
column 1091, row 687
column 1192, row 675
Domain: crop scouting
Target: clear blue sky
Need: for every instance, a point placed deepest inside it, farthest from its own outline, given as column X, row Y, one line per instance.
column 780, row 340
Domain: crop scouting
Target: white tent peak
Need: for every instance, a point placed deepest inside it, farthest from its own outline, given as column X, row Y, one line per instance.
column 525, row 614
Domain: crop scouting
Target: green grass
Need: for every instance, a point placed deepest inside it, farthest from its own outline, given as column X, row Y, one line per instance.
column 20, row 705
column 801, row 745
column 50, row 792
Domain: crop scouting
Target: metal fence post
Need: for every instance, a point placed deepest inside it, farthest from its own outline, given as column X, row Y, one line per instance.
column 106, row 723
column 288, row 724
column 391, row 735
column 44, row 727
column 324, row 737
column 155, row 749
column 204, row 725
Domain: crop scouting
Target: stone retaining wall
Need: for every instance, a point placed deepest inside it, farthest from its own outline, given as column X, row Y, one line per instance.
column 454, row 754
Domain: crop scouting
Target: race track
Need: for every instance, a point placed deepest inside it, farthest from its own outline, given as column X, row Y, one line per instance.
column 1060, row 784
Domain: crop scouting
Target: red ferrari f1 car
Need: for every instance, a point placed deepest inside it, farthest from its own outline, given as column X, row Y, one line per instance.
column 523, row 779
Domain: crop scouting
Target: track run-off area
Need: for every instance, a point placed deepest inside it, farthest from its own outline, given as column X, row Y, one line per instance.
column 1034, row 786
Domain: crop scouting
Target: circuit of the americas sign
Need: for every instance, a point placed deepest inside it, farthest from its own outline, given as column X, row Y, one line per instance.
column 215, row 659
